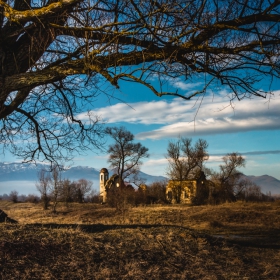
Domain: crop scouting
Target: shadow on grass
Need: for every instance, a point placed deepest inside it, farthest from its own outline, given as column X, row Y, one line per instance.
column 97, row 228
column 269, row 240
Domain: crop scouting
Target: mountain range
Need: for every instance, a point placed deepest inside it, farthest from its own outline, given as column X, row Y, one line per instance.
column 23, row 176
column 29, row 172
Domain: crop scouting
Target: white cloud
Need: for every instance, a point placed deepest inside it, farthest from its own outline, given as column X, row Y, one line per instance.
column 153, row 162
column 214, row 159
column 185, row 86
column 214, row 115
column 210, row 126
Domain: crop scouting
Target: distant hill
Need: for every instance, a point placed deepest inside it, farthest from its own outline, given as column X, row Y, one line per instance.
column 267, row 183
column 13, row 175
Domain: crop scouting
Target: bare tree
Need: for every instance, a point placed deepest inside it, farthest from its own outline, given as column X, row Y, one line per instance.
column 83, row 187
column 56, row 186
column 185, row 162
column 93, row 197
column 55, row 57
column 247, row 190
column 227, row 181
column 67, row 191
column 253, row 193
column 125, row 155
column 157, row 192
column 64, row 190
column 184, row 159
column 43, row 186
column 13, row 196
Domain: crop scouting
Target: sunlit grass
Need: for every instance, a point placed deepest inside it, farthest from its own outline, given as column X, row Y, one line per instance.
column 236, row 217
column 90, row 241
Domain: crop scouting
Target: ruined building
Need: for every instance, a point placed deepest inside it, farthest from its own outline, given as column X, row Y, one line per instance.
column 107, row 183
column 188, row 191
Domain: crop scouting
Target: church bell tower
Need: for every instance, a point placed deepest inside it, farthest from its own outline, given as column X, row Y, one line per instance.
column 104, row 175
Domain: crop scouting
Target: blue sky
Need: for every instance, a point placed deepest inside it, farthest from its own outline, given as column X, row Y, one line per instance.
column 250, row 126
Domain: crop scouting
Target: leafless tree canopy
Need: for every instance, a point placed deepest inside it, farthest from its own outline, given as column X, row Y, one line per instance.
column 227, row 181
column 185, row 161
column 55, row 54
column 125, row 155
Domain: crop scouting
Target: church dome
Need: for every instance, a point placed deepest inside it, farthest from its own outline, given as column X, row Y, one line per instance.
column 104, row 170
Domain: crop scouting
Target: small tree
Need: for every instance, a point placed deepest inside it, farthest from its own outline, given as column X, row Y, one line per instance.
column 248, row 191
column 83, row 187
column 141, row 195
column 13, row 196
column 67, row 192
column 93, row 197
column 157, row 192
column 121, row 197
column 32, row 198
column 43, row 186
column 56, row 186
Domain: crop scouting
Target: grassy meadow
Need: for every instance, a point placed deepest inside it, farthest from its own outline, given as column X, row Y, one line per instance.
column 91, row 241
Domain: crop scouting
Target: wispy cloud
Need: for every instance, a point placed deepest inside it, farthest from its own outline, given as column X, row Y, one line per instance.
column 254, row 153
column 215, row 159
column 185, row 86
column 257, row 153
column 153, row 162
column 195, row 118
column 210, row 126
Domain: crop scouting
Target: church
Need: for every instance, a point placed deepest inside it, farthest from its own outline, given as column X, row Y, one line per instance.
column 107, row 183
column 187, row 191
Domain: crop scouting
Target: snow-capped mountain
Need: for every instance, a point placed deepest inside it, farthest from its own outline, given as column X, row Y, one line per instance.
column 20, row 175
column 19, row 171
column 29, row 172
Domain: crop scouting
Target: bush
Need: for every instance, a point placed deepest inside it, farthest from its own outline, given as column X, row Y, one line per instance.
column 14, row 196
column 32, row 198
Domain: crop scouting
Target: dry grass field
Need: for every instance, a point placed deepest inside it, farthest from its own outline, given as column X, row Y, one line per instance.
column 90, row 241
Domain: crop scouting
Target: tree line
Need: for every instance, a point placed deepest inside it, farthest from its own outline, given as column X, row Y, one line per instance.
column 55, row 189
column 15, row 197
